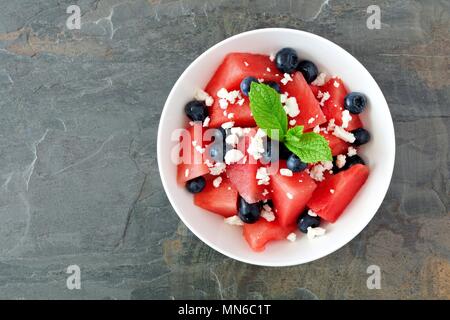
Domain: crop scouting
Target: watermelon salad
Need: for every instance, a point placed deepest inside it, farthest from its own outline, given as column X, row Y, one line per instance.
column 271, row 145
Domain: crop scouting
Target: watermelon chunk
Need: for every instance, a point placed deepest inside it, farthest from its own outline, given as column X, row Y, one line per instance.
column 260, row 233
column 234, row 68
column 334, row 106
column 311, row 114
column 290, row 195
column 329, row 206
column 337, row 146
column 243, row 178
column 221, row 200
column 191, row 165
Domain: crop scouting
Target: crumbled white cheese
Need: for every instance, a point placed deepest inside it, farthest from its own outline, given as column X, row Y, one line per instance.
column 246, row 130
column 312, row 213
column 311, row 120
column 328, row 165
column 351, row 151
column 346, row 118
column 292, row 237
column 343, row 134
column 246, row 63
column 222, row 93
column 340, row 161
column 331, row 125
column 225, row 113
column 256, row 146
column 291, row 107
column 289, row 195
column 267, row 213
column 186, row 173
column 260, row 80
column 320, row 80
column 228, row 125
column 286, row 79
column 316, row 129
column 206, row 121
column 234, row 221
column 272, row 57
column 232, row 140
column 286, row 172
column 223, row 104
column 217, row 169
column 233, row 156
column 241, row 102
column 336, row 84
column 292, row 122
column 268, row 69
column 284, row 97
column 208, row 163
column 194, row 143
column 230, row 115
column 262, row 175
column 202, row 95
column 317, row 172
column 332, row 191
column 325, row 97
column 315, row 232
column 265, row 192
column 237, row 131
column 191, row 123
column 230, row 97
column 200, row 149
column 217, row 181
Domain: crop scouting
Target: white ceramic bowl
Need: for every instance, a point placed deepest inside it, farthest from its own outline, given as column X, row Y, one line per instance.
column 379, row 153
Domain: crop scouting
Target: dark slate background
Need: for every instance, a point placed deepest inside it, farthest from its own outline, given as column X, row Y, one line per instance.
column 79, row 182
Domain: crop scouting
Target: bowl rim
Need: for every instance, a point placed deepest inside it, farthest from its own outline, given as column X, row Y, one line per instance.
column 178, row 210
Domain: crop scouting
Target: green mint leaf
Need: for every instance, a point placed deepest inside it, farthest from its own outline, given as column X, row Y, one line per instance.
column 267, row 110
column 309, row 147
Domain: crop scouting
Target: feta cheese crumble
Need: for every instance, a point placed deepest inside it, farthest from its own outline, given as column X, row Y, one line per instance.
column 325, row 96
column 292, row 122
column 262, row 175
column 206, row 121
column 232, row 140
column 202, row 95
column 217, row 169
column 291, row 107
column 256, row 146
column 340, row 161
column 317, row 172
column 241, row 102
column 316, row 129
column 343, row 134
column 268, row 69
column 267, row 213
column 289, row 195
column 186, row 173
column 265, row 192
column 228, row 125
column 272, row 57
column 336, row 84
column 286, row 172
column 331, row 125
column 312, row 213
column 223, row 104
column 315, row 232
column 233, row 156
column 346, row 118
column 351, row 151
column 234, row 221
column 320, row 80
column 217, row 181
column 230, row 115
column 332, row 191
column 246, row 63
column 237, row 131
column 292, row 237
column 284, row 97
column 286, row 79
column 311, row 120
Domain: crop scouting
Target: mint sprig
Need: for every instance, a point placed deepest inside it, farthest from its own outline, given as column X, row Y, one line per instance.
column 270, row 116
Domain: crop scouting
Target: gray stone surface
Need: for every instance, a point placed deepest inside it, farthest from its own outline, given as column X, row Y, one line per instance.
column 79, row 182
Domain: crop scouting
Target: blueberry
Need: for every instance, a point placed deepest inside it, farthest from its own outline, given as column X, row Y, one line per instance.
column 351, row 161
column 218, row 148
column 309, row 70
column 249, row 212
column 196, row 110
column 355, row 102
column 196, row 185
column 246, row 84
column 286, row 60
column 295, row 164
column 305, row 221
column 362, row 136
column 274, row 85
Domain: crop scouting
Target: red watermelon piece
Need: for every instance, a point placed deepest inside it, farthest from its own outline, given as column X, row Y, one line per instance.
column 337, row 145
column 311, row 114
column 290, row 195
column 221, row 200
column 191, row 165
column 329, row 206
column 334, row 106
column 260, row 233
